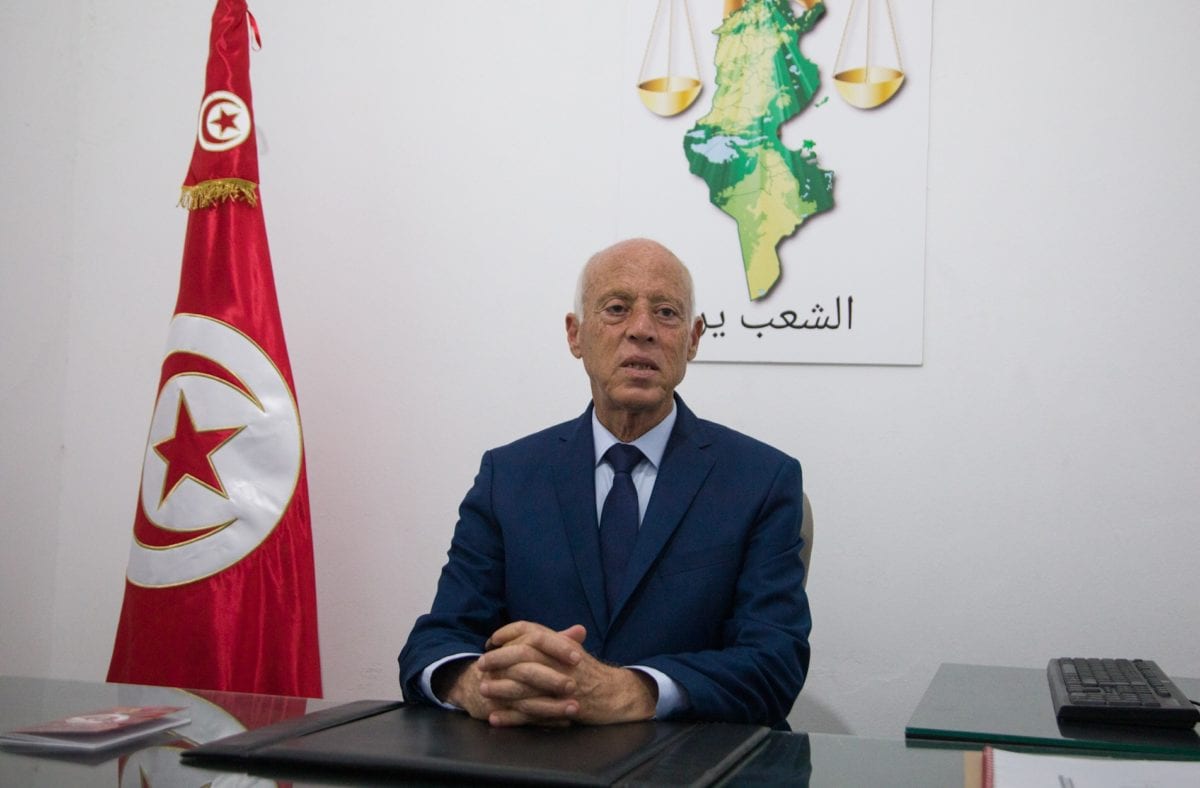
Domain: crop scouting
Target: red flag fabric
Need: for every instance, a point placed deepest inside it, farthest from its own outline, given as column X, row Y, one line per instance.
column 220, row 591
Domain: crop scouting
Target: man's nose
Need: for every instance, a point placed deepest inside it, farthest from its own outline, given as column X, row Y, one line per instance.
column 641, row 324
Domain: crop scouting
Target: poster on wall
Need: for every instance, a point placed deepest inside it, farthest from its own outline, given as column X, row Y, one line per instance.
column 780, row 149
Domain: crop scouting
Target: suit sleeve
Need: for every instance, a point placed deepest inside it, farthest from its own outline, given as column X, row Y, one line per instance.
column 759, row 667
column 469, row 604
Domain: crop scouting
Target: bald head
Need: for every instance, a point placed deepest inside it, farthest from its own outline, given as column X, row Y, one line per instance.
column 635, row 251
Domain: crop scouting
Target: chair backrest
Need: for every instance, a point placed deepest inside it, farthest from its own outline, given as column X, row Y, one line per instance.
column 806, row 533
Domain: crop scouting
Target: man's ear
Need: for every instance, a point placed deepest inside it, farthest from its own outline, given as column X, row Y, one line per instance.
column 694, row 338
column 573, row 335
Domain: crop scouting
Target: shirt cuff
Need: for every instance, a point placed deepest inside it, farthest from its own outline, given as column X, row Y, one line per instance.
column 427, row 679
column 672, row 698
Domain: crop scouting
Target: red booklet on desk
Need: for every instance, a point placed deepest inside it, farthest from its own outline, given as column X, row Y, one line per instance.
column 96, row 730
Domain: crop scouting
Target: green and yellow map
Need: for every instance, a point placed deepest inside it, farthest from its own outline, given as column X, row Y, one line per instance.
column 763, row 81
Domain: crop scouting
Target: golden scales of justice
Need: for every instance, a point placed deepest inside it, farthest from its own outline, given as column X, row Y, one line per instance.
column 673, row 93
column 869, row 86
column 865, row 87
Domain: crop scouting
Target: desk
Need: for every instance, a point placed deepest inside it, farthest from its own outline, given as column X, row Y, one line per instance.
column 826, row 760
column 27, row 701
column 974, row 705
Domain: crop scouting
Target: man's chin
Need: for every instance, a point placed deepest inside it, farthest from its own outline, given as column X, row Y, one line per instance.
column 640, row 399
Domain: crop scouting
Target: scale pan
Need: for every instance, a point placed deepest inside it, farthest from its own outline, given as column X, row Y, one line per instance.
column 668, row 96
column 867, row 88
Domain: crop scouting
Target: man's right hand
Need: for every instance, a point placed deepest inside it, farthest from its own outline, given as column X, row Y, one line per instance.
column 533, row 688
column 532, row 675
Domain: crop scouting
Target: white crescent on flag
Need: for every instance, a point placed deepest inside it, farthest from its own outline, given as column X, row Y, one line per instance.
column 224, row 121
column 212, row 502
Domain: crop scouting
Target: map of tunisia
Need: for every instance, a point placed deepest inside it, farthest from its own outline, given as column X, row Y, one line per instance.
column 763, row 81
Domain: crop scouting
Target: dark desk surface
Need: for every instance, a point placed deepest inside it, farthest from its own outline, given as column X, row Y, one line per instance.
column 977, row 704
column 824, row 760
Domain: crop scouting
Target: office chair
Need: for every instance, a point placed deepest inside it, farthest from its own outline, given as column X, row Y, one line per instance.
column 806, row 532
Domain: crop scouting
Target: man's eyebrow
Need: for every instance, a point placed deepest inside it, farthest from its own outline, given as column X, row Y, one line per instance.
column 653, row 298
column 624, row 295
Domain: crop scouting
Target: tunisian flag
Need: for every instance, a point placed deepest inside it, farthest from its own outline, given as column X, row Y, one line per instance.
column 219, row 591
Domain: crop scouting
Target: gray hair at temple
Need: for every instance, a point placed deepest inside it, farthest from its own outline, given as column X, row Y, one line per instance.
column 585, row 272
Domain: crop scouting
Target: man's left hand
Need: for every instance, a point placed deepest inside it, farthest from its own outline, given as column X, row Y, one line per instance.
column 527, row 663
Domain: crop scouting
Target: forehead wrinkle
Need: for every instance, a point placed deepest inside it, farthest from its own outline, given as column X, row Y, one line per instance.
column 615, row 292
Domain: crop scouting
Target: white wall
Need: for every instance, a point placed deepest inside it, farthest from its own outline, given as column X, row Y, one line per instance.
column 433, row 175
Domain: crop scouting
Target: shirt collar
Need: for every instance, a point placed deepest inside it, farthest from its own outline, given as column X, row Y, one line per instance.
column 653, row 444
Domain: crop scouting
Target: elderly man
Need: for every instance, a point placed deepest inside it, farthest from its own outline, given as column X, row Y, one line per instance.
column 634, row 563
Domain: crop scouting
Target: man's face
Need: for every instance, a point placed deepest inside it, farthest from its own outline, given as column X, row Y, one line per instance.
column 633, row 334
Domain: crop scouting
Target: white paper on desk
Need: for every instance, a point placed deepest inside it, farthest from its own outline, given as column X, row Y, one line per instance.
column 1002, row 769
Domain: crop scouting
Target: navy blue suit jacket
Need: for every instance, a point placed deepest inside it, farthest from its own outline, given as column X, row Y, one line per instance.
column 713, row 595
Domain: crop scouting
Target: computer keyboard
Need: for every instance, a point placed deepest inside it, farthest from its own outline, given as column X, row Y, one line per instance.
column 1121, row 691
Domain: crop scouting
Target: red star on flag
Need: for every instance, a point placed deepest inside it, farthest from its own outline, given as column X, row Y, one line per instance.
column 226, row 121
column 188, row 453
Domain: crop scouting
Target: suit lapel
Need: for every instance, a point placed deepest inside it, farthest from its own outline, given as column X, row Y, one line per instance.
column 685, row 466
column 575, row 488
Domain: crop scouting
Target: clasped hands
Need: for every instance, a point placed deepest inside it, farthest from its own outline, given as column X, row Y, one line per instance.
column 533, row 675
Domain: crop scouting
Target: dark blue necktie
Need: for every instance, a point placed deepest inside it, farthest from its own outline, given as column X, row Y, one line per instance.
column 618, row 519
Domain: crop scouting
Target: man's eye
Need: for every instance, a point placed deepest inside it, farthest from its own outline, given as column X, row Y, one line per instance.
column 615, row 309
column 667, row 312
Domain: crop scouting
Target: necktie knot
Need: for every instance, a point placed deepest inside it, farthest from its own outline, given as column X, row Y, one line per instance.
column 623, row 457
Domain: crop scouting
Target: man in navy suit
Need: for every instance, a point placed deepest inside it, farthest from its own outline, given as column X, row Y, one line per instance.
column 707, row 619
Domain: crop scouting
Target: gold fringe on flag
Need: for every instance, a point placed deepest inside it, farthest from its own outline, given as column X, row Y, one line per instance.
column 209, row 193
